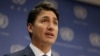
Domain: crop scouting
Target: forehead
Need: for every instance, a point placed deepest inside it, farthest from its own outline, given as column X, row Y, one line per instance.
column 47, row 13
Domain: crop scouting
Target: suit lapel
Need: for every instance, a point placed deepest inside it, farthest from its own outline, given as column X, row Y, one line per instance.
column 28, row 52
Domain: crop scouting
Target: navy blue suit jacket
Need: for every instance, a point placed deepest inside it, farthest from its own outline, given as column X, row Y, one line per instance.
column 25, row 52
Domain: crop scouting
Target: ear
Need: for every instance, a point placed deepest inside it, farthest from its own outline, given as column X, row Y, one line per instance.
column 30, row 27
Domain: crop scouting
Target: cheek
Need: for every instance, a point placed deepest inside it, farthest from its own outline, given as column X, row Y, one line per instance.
column 37, row 33
column 40, row 30
column 57, row 30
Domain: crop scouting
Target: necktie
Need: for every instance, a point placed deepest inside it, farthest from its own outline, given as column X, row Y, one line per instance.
column 44, row 55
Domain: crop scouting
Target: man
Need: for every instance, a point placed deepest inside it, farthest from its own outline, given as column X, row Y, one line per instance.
column 42, row 26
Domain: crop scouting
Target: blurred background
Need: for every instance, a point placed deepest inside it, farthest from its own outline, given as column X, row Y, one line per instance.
column 79, row 29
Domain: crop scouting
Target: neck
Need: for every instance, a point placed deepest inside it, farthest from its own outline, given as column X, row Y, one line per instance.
column 42, row 46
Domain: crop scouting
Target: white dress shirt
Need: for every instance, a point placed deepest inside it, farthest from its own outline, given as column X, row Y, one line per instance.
column 37, row 51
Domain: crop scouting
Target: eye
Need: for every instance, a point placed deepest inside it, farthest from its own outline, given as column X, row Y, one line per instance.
column 55, row 22
column 44, row 19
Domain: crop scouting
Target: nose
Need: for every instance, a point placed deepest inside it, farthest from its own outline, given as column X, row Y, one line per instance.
column 50, row 27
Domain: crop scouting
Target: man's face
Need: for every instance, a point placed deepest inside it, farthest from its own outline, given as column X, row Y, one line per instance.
column 45, row 28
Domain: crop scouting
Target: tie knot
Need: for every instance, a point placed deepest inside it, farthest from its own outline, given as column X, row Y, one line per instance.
column 44, row 55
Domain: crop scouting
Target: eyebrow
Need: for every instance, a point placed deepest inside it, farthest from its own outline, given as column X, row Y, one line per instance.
column 54, row 18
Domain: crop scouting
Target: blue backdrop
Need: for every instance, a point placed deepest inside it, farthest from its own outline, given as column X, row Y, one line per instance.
column 79, row 30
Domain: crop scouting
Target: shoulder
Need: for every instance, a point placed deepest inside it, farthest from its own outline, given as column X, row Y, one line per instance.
column 19, row 53
column 25, row 52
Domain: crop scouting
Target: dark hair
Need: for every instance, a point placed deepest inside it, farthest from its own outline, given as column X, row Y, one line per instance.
column 44, row 5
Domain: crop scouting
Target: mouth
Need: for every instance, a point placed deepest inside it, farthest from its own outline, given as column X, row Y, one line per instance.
column 50, row 35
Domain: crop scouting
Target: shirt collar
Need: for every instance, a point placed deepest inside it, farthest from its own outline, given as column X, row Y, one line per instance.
column 37, row 51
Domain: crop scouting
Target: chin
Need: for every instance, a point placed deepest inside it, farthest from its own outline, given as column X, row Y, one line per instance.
column 51, row 42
